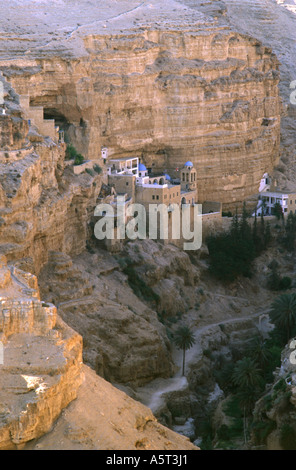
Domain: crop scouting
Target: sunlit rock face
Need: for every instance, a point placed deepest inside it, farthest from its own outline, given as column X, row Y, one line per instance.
column 41, row 359
column 164, row 82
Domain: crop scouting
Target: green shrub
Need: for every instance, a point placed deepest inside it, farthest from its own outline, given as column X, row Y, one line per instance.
column 71, row 152
column 207, row 353
column 288, row 437
column 267, row 402
column 261, row 430
column 223, row 433
column 285, row 283
column 227, row 214
column 280, row 386
column 97, row 169
column 79, row 159
column 140, row 288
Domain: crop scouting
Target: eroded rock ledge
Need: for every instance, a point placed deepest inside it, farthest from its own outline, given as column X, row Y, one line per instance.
column 41, row 371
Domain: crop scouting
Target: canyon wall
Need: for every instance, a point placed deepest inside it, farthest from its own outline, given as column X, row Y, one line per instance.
column 43, row 204
column 181, row 89
column 40, row 371
column 209, row 96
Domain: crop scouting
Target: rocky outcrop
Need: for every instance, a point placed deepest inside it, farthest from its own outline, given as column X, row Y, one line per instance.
column 274, row 414
column 104, row 418
column 123, row 338
column 40, row 371
column 166, row 271
column 44, row 205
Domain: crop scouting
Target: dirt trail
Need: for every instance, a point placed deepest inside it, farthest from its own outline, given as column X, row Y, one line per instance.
column 153, row 394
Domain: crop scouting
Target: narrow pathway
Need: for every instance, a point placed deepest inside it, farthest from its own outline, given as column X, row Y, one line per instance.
column 153, row 394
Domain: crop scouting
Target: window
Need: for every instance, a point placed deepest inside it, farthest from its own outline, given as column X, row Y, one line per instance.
column 126, row 183
column 157, row 197
column 153, row 197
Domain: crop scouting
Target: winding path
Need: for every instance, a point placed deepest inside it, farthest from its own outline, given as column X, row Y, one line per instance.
column 153, row 394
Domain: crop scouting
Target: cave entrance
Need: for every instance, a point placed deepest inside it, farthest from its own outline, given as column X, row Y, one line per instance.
column 60, row 119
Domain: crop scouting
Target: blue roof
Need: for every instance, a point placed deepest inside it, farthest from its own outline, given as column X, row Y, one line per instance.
column 188, row 163
column 142, row 167
column 167, row 177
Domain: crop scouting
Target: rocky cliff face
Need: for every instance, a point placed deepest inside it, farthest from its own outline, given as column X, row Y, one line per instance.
column 184, row 88
column 44, row 205
column 274, row 413
column 158, row 80
column 123, row 338
column 40, row 370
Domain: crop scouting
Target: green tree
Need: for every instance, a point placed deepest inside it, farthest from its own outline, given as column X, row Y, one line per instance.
column 184, row 339
column 71, row 152
column 290, row 232
column 247, row 374
column 283, row 313
column 259, row 352
column 278, row 211
column 78, row 159
column 267, row 235
column 232, row 252
column 247, row 377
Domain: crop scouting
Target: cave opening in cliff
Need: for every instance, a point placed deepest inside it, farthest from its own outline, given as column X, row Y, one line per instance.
column 60, row 119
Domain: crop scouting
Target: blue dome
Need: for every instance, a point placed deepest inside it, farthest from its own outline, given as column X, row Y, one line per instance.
column 142, row 167
column 188, row 163
column 167, row 177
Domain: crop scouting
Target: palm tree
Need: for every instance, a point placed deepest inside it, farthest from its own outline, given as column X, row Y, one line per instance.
column 184, row 339
column 283, row 313
column 259, row 352
column 247, row 377
column 246, row 374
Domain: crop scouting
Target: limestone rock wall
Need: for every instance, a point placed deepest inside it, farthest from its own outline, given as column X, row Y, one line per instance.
column 42, row 358
column 208, row 95
column 43, row 204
